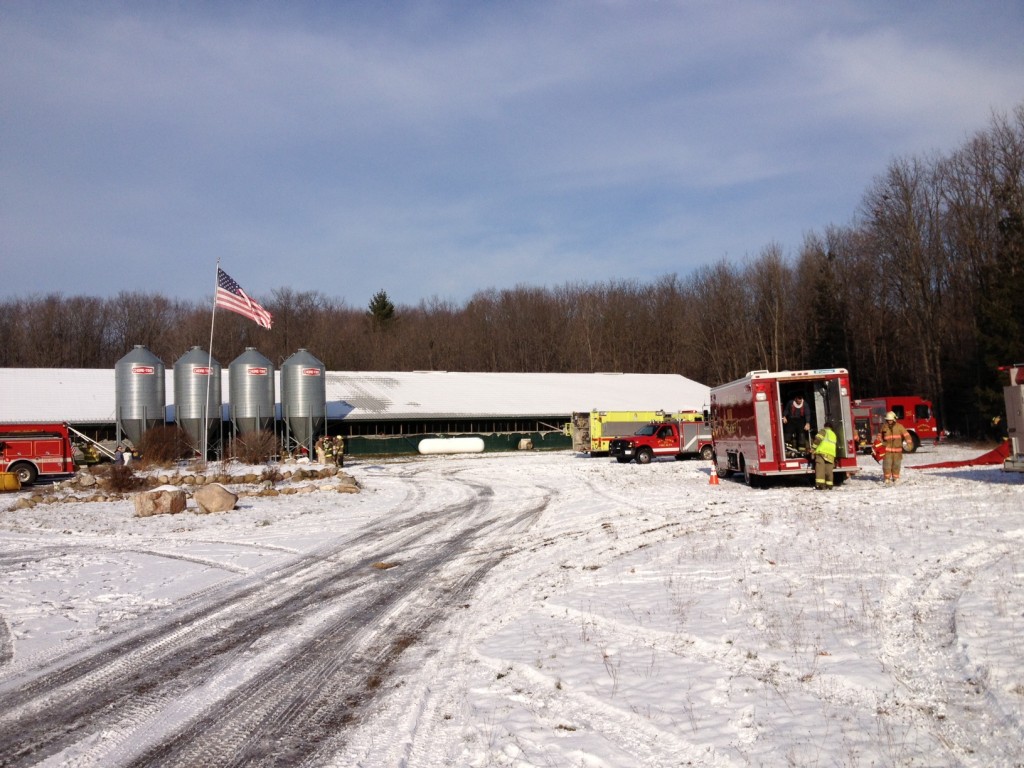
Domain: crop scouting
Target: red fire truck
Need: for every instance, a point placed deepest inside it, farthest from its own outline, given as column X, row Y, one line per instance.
column 748, row 433
column 32, row 451
column 912, row 412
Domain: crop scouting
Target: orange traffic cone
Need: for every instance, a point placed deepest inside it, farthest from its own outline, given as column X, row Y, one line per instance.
column 714, row 478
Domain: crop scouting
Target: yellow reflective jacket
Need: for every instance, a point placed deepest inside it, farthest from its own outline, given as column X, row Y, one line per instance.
column 825, row 443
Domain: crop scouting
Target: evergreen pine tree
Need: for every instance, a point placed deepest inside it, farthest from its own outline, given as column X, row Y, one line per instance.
column 381, row 310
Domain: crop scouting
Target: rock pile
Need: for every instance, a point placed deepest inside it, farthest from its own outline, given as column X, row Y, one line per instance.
column 167, row 491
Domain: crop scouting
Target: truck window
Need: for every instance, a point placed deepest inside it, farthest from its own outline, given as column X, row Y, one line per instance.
column 664, row 432
column 922, row 412
column 646, row 430
column 898, row 410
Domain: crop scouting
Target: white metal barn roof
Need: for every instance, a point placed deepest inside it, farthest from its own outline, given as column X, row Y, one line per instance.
column 86, row 395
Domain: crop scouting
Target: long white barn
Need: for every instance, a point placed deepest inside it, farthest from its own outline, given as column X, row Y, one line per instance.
column 87, row 396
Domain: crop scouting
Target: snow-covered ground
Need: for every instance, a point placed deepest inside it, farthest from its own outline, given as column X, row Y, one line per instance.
column 531, row 609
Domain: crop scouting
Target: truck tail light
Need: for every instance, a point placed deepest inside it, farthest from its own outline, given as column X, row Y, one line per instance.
column 762, row 451
column 760, row 393
column 844, row 386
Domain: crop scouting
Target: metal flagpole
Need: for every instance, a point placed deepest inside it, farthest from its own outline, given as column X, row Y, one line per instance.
column 209, row 368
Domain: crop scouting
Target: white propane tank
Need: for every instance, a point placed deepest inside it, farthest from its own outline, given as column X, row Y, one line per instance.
column 436, row 445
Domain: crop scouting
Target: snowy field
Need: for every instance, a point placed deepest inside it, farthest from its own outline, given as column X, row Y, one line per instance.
column 525, row 610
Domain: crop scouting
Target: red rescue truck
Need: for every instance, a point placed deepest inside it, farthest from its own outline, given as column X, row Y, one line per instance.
column 912, row 412
column 748, row 433
column 33, row 451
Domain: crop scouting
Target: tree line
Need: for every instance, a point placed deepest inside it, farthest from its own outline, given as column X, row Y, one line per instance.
column 922, row 293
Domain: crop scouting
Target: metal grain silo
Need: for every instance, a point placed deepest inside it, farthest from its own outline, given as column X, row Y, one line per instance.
column 139, row 393
column 197, row 398
column 251, row 392
column 303, row 397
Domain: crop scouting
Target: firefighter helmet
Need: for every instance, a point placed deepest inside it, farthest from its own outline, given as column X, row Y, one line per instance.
column 890, row 416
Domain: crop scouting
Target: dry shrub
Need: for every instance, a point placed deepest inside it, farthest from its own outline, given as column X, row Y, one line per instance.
column 164, row 445
column 123, row 478
column 254, row 447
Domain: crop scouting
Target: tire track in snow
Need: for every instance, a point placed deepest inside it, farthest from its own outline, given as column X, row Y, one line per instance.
column 923, row 649
column 431, row 708
column 6, row 643
column 173, row 642
column 139, row 669
column 428, row 696
column 326, row 685
column 616, row 526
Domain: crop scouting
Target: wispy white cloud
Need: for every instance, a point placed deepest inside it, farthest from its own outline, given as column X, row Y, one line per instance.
column 464, row 145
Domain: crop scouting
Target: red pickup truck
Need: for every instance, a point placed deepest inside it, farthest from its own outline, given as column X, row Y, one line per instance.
column 679, row 439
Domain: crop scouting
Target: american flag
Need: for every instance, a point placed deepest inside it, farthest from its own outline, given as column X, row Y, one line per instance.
column 230, row 296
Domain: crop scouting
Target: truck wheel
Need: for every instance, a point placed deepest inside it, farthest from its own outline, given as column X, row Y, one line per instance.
column 915, row 442
column 838, row 478
column 707, row 453
column 644, row 456
column 26, row 473
column 623, row 459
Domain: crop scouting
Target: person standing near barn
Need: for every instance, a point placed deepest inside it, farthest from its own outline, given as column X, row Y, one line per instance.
column 825, row 443
column 892, row 440
column 795, row 423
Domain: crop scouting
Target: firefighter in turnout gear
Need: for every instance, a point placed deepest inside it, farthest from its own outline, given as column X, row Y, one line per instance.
column 825, row 443
column 893, row 438
column 795, row 424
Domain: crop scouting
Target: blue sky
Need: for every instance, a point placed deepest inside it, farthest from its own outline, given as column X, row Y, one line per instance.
column 436, row 149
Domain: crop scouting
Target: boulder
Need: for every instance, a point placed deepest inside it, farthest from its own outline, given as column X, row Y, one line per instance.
column 214, row 498
column 160, row 501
